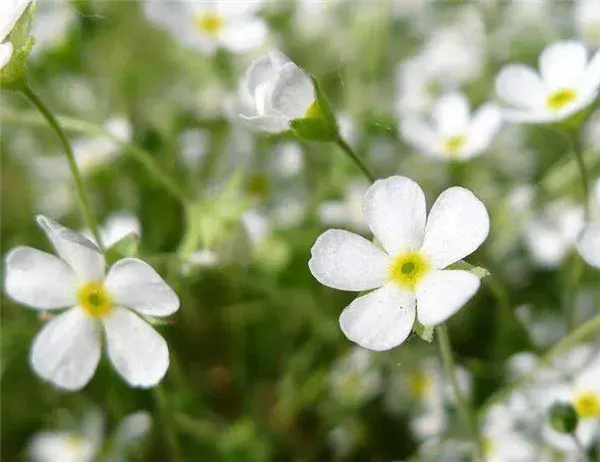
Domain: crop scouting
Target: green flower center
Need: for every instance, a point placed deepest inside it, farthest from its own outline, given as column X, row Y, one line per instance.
column 93, row 298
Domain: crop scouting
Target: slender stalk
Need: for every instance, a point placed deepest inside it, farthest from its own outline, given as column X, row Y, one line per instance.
column 570, row 295
column 578, row 151
column 79, row 186
column 469, row 416
column 352, row 155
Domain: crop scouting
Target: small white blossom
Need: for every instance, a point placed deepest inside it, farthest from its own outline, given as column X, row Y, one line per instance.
column 406, row 277
column 116, row 227
column 67, row 350
column 567, row 82
column 10, row 12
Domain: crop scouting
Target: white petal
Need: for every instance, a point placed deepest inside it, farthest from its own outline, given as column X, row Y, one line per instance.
column 484, row 126
column 420, row 134
column 451, row 114
column 6, row 50
column 381, row 319
column 562, row 64
column 39, row 279
column 347, row 261
column 588, row 244
column 269, row 124
column 136, row 350
column 78, row 251
column 244, row 36
column 260, row 71
column 67, row 350
column 520, row 86
column 536, row 116
column 132, row 428
column 134, row 284
column 457, row 225
column 395, row 210
column 591, row 78
column 441, row 293
column 294, row 92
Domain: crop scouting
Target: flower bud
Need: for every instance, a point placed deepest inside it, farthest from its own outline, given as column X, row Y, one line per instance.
column 563, row 418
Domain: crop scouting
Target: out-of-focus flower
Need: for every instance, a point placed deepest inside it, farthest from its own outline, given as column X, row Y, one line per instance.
column 348, row 211
column 407, row 276
column 592, row 131
column 116, row 227
column 10, row 12
column 194, row 145
column 455, row 133
column 355, row 379
column 588, row 242
column 66, row 351
column 51, row 23
column 566, row 84
column 211, row 24
column 587, row 21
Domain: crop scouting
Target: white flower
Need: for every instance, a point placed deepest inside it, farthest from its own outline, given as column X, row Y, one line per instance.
column 407, row 276
column 67, row 349
column 274, row 92
column 354, row 378
column 567, row 83
column 210, row 24
column 455, row 133
column 10, row 12
column 588, row 242
column 587, row 21
column 116, row 227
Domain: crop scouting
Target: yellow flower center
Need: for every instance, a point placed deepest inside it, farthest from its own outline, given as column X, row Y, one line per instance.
column 94, row 299
column 560, row 98
column 408, row 269
column 453, row 145
column 419, row 383
column 209, row 23
column 587, row 404
column 313, row 112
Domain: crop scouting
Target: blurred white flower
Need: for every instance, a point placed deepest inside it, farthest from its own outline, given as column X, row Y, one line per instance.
column 588, row 242
column 312, row 18
column 51, row 22
column 66, row 351
column 567, row 83
column 454, row 133
column 415, row 86
column 210, row 24
column 348, row 211
column 355, row 379
column 407, row 276
column 288, row 159
column 587, row 21
column 592, row 131
column 10, row 12
column 116, row 227
column 274, row 92
column 194, row 145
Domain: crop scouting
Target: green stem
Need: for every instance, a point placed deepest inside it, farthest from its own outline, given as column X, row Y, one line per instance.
column 578, row 151
column 570, row 298
column 469, row 416
column 79, row 186
column 352, row 155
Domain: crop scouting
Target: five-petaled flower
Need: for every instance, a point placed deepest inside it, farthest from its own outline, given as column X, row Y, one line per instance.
column 67, row 350
column 407, row 275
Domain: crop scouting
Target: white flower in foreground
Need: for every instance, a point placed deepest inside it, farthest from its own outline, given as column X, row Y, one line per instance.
column 587, row 20
column 210, row 24
column 10, row 12
column 566, row 83
column 454, row 133
column 588, row 242
column 406, row 276
column 274, row 92
column 67, row 349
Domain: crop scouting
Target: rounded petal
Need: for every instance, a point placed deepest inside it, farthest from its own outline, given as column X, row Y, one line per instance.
column 134, row 284
column 269, row 124
column 520, row 86
column 395, row 210
column 244, row 35
column 347, row 261
column 591, row 78
column 78, row 251
column 260, row 71
column 67, row 350
column 458, row 224
column 484, row 126
column 588, row 244
column 6, row 50
column 451, row 114
column 562, row 64
column 441, row 293
column 294, row 92
column 140, row 355
column 381, row 319
column 39, row 279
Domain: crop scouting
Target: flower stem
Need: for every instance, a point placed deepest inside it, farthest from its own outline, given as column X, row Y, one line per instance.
column 79, row 186
column 446, row 353
column 352, row 155
column 578, row 151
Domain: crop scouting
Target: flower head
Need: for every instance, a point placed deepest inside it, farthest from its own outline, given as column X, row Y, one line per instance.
column 406, row 277
column 67, row 349
column 566, row 84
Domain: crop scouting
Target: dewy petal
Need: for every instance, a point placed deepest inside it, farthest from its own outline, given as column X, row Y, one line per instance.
column 67, row 350
column 395, row 210
column 78, row 251
column 347, row 261
column 6, row 50
column 441, row 293
column 381, row 319
column 591, row 77
column 457, row 225
column 134, row 284
column 39, row 279
column 562, row 64
column 140, row 355
column 520, row 86
column 451, row 114
column 294, row 92
column 269, row 124
column 588, row 244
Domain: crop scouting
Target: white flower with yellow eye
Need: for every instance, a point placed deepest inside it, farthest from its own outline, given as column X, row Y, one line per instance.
column 407, row 275
column 10, row 12
column 566, row 84
column 211, row 24
column 274, row 92
column 588, row 242
column 454, row 133
column 587, row 21
column 66, row 351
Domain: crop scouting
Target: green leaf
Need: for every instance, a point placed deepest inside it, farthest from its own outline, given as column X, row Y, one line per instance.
column 313, row 129
column 426, row 333
column 127, row 246
column 478, row 271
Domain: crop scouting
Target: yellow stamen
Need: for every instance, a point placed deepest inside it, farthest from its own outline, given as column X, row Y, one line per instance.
column 94, row 299
column 313, row 112
column 419, row 383
column 408, row 269
column 560, row 98
column 587, row 404
column 209, row 23
column 453, row 145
